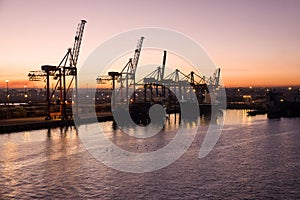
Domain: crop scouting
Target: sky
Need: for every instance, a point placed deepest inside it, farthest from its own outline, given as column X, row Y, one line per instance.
column 255, row 43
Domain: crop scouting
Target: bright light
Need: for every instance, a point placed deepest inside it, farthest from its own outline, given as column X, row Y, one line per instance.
column 250, row 87
column 281, row 100
column 247, row 96
column 6, row 81
column 290, row 88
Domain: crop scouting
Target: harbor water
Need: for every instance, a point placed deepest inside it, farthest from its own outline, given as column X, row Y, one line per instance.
column 254, row 158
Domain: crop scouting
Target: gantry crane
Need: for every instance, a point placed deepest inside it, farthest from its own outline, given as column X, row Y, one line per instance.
column 127, row 75
column 60, row 74
column 183, row 85
column 157, row 75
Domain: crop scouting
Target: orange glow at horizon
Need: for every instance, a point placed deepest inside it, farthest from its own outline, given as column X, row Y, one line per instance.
column 229, row 80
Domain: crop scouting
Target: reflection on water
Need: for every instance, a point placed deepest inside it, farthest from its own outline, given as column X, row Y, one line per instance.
column 255, row 158
column 240, row 117
column 30, row 159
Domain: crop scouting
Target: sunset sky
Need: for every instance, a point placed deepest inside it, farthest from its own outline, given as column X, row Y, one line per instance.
column 254, row 42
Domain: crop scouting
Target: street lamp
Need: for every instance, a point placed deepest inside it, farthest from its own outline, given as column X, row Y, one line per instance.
column 7, row 94
column 25, row 92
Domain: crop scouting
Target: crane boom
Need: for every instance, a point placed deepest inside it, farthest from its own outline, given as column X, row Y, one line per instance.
column 137, row 54
column 77, row 43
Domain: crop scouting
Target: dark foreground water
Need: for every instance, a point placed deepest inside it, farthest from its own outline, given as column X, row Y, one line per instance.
column 255, row 158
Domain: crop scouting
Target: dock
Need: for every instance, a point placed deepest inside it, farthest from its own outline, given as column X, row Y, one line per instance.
column 35, row 123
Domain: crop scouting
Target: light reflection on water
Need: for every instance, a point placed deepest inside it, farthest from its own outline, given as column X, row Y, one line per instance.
column 255, row 158
column 240, row 117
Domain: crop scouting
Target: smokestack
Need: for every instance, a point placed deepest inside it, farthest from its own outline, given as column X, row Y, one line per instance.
column 164, row 65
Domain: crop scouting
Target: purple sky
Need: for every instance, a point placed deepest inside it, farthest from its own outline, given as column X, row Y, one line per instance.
column 254, row 42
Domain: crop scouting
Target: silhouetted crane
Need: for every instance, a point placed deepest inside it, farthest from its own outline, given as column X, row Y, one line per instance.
column 60, row 74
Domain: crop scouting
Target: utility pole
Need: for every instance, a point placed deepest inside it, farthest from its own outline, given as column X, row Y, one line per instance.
column 7, row 94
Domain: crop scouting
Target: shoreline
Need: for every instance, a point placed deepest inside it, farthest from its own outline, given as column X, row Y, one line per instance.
column 8, row 126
